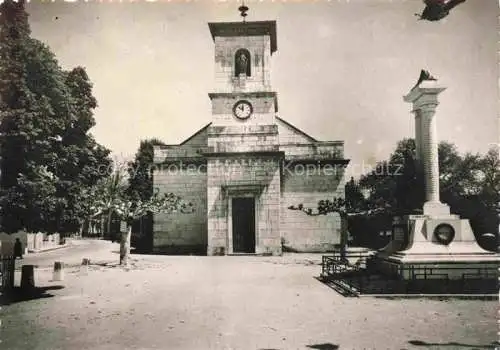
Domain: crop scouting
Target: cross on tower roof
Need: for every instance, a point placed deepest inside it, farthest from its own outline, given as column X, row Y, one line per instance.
column 243, row 9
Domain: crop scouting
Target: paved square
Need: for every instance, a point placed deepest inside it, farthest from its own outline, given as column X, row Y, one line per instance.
column 187, row 302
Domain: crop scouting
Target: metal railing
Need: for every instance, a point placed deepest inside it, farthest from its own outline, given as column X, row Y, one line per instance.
column 363, row 278
column 336, row 263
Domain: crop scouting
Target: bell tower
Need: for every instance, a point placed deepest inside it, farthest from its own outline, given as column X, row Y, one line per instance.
column 243, row 155
column 243, row 102
column 243, row 53
column 246, row 169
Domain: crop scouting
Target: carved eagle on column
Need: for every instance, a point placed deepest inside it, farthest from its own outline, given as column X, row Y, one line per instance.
column 424, row 76
column 436, row 10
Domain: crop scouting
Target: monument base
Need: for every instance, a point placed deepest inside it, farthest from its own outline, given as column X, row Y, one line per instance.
column 436, row 209
column 438, row 246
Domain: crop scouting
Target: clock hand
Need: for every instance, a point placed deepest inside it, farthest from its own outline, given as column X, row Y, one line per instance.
column 242, row 108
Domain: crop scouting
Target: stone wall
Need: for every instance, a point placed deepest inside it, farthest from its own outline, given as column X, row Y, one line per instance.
column 7, row 242
column 226, row 139
column 260, row 52
column 31, row 242
column 179, row 232
column 302, row 232
column 243, row 176
column 190, row 148
column 49, row 241
column 289, row 134
column 263, row 109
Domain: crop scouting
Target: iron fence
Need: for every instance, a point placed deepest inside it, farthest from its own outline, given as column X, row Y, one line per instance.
column 336, row 263
column 362, row 277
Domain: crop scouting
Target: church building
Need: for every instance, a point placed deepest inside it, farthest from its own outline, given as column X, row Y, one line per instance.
column 246, row 168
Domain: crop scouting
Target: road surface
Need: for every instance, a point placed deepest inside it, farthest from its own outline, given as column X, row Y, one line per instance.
column 238, row 302
column 72, row 255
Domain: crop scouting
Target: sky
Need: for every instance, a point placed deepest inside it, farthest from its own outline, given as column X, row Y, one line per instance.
column 340, row 71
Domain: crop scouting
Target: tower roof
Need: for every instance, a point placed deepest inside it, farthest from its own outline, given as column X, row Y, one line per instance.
column 245, row 29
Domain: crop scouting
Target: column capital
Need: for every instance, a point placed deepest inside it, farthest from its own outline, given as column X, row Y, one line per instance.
column 424, row 109
column 424, row 95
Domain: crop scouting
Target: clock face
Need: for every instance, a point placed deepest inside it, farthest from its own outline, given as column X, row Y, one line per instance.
column 242, row 110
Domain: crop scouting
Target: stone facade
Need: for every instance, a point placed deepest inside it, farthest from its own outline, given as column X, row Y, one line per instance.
column 182, row 232
column 307, row 233
column 249, row 176
column 258, row 159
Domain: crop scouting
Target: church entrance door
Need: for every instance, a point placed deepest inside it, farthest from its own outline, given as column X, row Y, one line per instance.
column 243, row 225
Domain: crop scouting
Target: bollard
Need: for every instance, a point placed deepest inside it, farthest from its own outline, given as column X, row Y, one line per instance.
column 58, row 274
column 85, row 264
column 28, row 277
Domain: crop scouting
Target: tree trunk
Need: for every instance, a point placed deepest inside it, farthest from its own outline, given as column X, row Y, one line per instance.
column 80, row 230
column 125, row 245
column 83, row 227
column 102, row 227
column 108, row 225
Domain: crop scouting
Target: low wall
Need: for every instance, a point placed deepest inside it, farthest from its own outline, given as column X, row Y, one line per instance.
column 31, row 242
column 50, row 241
column 8, row 240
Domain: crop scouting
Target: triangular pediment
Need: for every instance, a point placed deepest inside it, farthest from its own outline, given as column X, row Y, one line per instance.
column 192, row 147
column 199, row 138
column 289, row 134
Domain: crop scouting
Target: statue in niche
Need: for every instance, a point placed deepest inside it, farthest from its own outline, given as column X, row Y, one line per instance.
column 242, row 63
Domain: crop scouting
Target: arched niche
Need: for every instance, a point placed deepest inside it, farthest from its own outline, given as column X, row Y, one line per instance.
column 242, row 63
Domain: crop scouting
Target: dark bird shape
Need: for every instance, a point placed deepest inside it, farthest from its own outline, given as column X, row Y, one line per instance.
column 424, row 75
column 436, row 10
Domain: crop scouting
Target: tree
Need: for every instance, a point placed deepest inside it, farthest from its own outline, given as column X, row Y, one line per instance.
column 140, row 186
column 112, row 198
column 402, row 186
column 16, row 101
column 354, row 198
column 486, row 198
column 458, row 174
column 45, row 114
column 38, row 198
column 461, row 179
column 395, row 182
column 470, row 184
column 345, row 209
column 140, row 170
column 489, row 178
column 82, row 161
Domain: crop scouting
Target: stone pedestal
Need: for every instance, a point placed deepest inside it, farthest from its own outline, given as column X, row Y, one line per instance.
column 422, row 246
column 436, row 209
column 437, row 244
column 28, row 277
column 58, row 273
